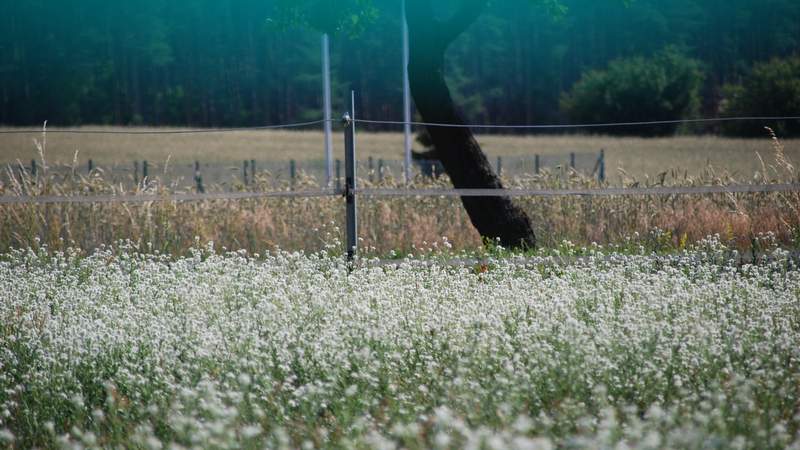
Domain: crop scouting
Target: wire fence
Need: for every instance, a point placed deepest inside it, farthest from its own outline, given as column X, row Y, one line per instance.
column 168, row 132
column 148, row 198
column 350, row 191
column 379, row 193
column 603, row 192
column 413, row 123
column 406, row 192
column 584, row 125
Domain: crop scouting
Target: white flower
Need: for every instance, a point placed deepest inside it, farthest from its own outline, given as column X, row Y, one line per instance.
column 6, row 436
column 251, row 431
column 244, row 379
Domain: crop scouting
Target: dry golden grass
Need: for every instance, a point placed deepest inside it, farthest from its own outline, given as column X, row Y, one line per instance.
column 391, row 224
column 401, row 223
column 637, row 157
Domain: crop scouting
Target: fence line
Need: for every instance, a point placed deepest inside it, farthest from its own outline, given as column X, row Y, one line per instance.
column 158, row 132
column 376, row 193
column 88, row 199
column 399, row 122
column 584, row 125
column 351, row 192
column 605, row 192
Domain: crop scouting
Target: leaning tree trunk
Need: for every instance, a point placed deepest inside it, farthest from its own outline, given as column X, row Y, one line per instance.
column 495, row 218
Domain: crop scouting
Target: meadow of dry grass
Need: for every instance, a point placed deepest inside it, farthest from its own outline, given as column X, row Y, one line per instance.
column 636, row 157
column 401, row 223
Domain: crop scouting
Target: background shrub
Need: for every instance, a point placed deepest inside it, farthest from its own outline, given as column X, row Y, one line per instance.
column 664, row 87
column 772, row 89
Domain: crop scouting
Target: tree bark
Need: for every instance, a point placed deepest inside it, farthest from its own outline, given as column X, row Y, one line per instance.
column 495, row 218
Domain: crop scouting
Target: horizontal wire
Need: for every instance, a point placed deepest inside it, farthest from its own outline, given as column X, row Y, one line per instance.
column 586, row 125
column 158, row 132
column 688, row 190
column 605, row 192
column 393, row 122
column 131, row 198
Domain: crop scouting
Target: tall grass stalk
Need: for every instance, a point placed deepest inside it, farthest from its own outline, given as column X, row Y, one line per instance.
column 397, row 224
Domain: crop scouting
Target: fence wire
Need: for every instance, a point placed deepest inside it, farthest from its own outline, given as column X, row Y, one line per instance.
column 377, row 193
column 147, row 198
column 159, row 132
column 412, row 123
column 576, row 126
column 191, row 197
column 604, row 192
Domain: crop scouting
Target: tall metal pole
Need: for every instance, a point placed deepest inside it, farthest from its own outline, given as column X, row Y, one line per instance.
column 406, row 98
column 350, row 178
column 326, row 95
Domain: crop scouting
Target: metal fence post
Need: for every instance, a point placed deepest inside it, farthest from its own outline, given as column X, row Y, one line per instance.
column 350, row 179
column 536, row 164
column 326, row 106
column 90, row 167
column 33, row 168
column 572, row 160
column 145, row 170
column 244, row 172
column 499, row 166
column 407, row 140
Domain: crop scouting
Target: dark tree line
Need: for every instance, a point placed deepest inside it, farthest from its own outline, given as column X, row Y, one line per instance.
column 226, row 63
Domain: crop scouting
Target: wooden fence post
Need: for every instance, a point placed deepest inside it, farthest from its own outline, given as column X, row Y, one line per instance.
column 602, row 172
column 244, row 173
column 136, row 172
column 572, row 160
column 292, row 171
column 499, row 166
column 34, row 169
column 198, row 178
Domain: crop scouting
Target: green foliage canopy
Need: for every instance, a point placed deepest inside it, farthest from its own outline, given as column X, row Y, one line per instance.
column 327, row 16
column 251, row 62
column 351, row 16
column 664, row 87
column 772, row 89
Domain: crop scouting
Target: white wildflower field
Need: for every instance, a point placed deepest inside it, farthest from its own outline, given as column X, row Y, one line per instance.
column 121, row 349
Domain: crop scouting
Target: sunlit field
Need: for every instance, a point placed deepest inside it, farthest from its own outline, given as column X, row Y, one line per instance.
column 124, row 350
column 634, row 157
column 188, row 261
column 394, row 224
column 643, row 333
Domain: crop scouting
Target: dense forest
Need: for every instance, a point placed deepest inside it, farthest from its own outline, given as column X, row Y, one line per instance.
column 230, row 63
